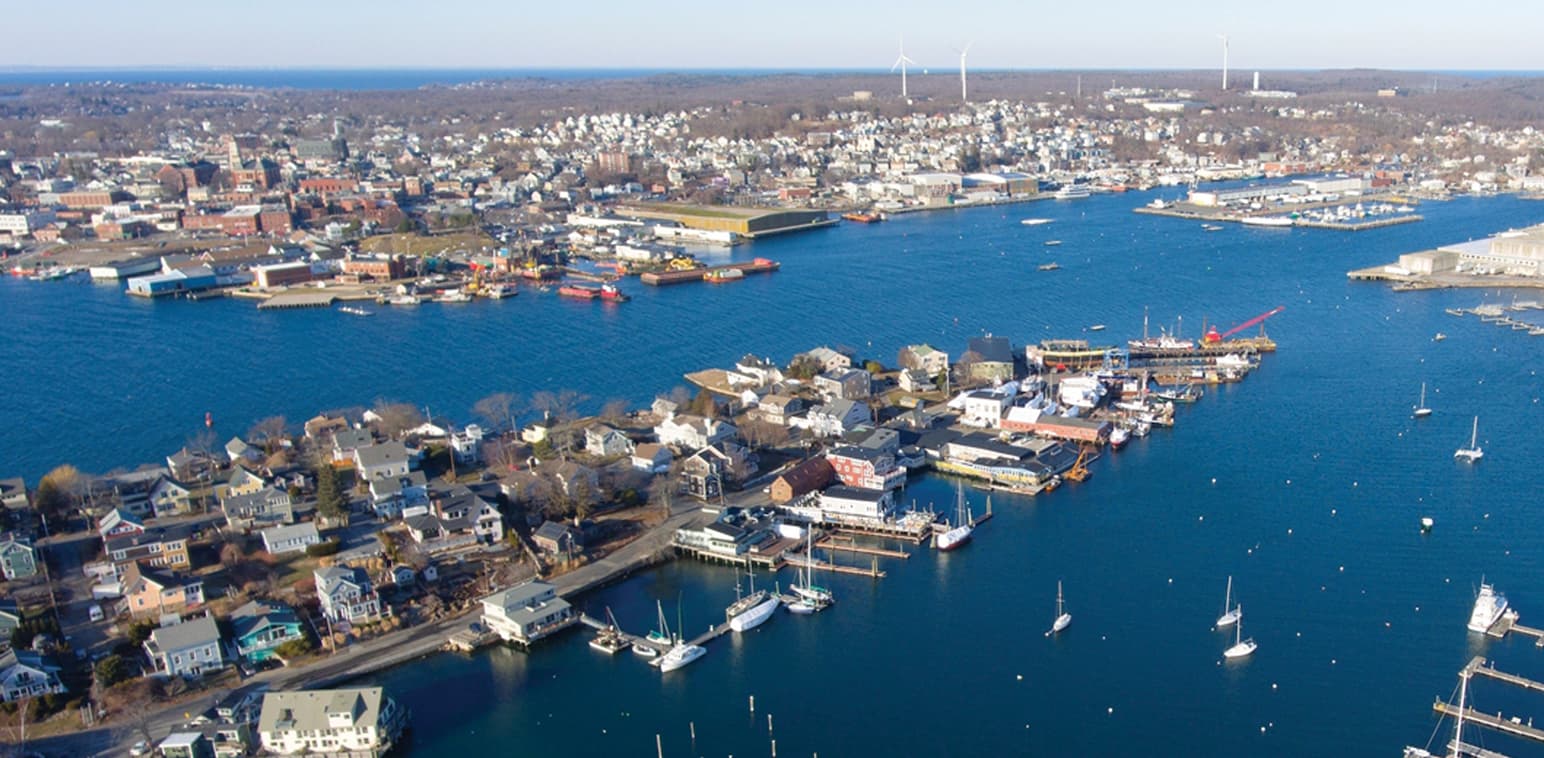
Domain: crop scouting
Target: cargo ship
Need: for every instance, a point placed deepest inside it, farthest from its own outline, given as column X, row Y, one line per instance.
column 603, row 292
column 864, row 218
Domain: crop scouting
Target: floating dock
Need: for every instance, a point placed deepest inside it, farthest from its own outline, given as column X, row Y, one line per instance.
column 291, row 300
column 664, row 278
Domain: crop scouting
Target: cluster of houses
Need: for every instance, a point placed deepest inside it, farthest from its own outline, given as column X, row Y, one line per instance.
column 358, row 722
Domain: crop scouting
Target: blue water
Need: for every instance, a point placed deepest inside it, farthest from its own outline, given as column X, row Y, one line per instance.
column 926, row 660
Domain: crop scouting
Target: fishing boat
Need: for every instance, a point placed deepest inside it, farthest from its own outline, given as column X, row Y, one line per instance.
column 1489, row 607
column 1035, row 221
column 750, row 611
column 502, row 290
column 1421, row 411
column 404, row 300
column 1063, row 618
column 1052, row 266
column 1242, row 648
column 1473, row 452
column 1230, row 613
column 807, row 589
column 453, row 296
column 608, row 292
column 723, row 275
column 1119, row 436
column 1187, row 394
column 864, row 218
column 960, row 534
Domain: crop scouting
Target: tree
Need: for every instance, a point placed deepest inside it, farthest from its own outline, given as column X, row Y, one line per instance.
column 704, row 405
column 803, row 368
column 330, row 500
column 231, row 555
column 906, row 358
column 57, row 491
column 614, row 410
column 139, row 631
column 874, row 367
column 293, row 649
column 396, row 418
column 406, row 226
column 966, row 366
column 111, row 670
column 498, row 409
column 561, row 406
column 760, row 433
column 270, row 431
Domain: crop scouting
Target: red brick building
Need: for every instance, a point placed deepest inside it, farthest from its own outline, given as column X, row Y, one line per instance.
column 865, row 468
column 375, row 267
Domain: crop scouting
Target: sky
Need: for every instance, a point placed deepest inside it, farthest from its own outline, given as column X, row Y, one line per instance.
column 789, row 34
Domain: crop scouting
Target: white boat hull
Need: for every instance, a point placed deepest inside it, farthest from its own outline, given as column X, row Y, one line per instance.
column 1241, row 650
column 679, row 656
column 803, row 607
column 644, row 650
column 1061, row 622
column 756, row 616
column 1229, row 619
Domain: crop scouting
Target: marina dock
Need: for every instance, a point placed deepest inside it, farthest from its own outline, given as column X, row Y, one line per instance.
column 831, row 542
column 1496, row 722
column 1479, row 666
column 663, row 278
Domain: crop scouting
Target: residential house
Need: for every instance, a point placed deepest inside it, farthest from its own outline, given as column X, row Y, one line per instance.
column 186, row 745
column 706, row 473
column 604, row 442
column 866, row 468
column 574, row 479
column 689, row 432
column 188, row 649
column 258, row 627
column 992, row 358
column 238, row 451
column 466, row 445
column 187, row 465
column 170, row 498
column 435, row 535
column 664, row 407
column 985, row 408
column 834, row 418
column 557, row 538
column 345, row 441
column 854, row 504
column 651, row 458
column 279, row 540
column 925, row 358
column 763, row 370
column 10, row 618
column 24, row 673
column 851, row 384
column 777, row 409
column 153, row 592
column 132, row 490
column 465, row 510
column 359, row 723
column 390, row 495
column 387, row 459
column 828, row 359
column 119, row 522
column 162, row 546
column 323, row 425
column 241, row 482
column 915, row 380
column 527, row 612
column 801, row 480
column 13, row 494
column 346, row 595
column 18, row 558
column 266, row 507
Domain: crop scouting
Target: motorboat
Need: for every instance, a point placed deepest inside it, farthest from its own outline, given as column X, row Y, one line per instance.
column 1489, row 607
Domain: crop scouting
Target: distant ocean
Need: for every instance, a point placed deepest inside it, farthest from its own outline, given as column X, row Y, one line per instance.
column 414, row 78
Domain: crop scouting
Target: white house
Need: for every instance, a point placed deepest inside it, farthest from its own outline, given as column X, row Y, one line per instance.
column 346, row 594
column 651, row 458
column 24, row 673
column 187, row 649
column 842, row 503
column 527, row 612
column 383, row 460
column 693, row 432
column 603, row 441
column 984, row 408
column 834, row 418
column 354, row 722
column 289, row 539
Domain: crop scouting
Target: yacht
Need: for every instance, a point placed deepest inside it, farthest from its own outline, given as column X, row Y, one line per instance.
column 1072, row 192
column 680, row 655
column 1063, row 618
column 1230, row 613
column 1273, row 221
column 960, row 534
column 1421, row 411
column 1242, row 648
column 1035, row 221
column 816, row 595
column 1488, row 609
column 1473, row 452
column 750, row 611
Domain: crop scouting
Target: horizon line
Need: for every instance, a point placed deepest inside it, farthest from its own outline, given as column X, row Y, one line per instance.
column 944, row 69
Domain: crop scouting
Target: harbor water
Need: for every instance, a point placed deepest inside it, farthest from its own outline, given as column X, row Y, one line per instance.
column 1306, row 483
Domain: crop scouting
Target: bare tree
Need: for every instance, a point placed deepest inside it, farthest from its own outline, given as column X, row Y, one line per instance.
column 396, row 418
column 498, row 409
column 680, row 396
column 562, row 406
column 614, row 410
column 966, row 366
column 270, row 431
column 760, row 433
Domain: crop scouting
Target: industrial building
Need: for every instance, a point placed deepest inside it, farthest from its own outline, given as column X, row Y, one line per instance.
column 748, row 222
column 176, row 282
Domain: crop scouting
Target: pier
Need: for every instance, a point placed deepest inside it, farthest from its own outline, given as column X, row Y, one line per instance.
column 1496, row 722
column 832, row 543
column 664, row 278
column 816, row 564
column 1481, row 667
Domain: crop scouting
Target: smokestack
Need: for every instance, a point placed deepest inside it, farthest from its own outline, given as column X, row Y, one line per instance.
column 1257, row 80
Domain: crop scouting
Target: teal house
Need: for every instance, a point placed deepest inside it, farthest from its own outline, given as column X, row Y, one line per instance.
column 260, row 627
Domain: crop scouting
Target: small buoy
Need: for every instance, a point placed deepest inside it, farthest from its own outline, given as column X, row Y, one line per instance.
column 1262, row 730
column 1289, row 481
column 1021, row 677
column 1289, row 530
column 1171, row 580
column 1333, row 511
column 1200, row 518
column 1273, row 685
column 1342, row 569
column 1386, row 625
column 1356, row 484
column 1109, row 710
column 1299, row 634
column 1332, row 661
column 1214, row 480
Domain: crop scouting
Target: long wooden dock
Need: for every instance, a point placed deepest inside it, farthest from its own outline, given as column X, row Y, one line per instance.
column 1496, row 722
column 804, row 561
column 1478, row 666
column 831, row 542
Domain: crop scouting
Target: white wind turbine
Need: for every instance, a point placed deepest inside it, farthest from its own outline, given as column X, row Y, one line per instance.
column 1224, row 39
column 963, row 97
column 901, row 62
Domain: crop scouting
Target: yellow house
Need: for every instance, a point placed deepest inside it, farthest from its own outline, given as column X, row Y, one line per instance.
column 242, row 482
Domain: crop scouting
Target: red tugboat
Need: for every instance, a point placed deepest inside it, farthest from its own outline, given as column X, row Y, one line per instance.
column 606, row 291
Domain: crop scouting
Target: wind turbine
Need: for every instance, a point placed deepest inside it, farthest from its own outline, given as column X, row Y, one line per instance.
column 1224, row 39
column 963, row 97
column 901, row 62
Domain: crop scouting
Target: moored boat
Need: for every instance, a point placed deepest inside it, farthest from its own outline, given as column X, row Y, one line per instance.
column 750, row 611
column 722, row 275
column 1473, row 452
column 958, row 535
column 864, row 218
column 1242, row 648
column 1230, row 613
column 1035, row 221
column 1052, row 266
column 1267, row 221
column 1489, row 607
column 608, row 292
column 1063, row 618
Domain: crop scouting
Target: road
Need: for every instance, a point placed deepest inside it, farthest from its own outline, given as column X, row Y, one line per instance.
column 375, row 654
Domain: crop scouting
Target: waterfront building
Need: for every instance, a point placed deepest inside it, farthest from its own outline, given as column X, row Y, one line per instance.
column 604, row 442
column 18, row 558
column 843, row 504
column 706, row 472
column 827, row 359
column 358, row 723
column 849, row 384
column 556, row 538
column 346, row 595
column 345, row 440
column 865, row 467
column 259, row 627
column 13, row 494
column 925, row 358
column 25, row 674
column 188, row 649
column 179, row 282
column 777, row 409
column 991, row 359
column 154, row 592
column 527, row 612
column 801, row 480
column 833, row 419
column 1034, row 421
column 266, row 507
column 279, row 540
column 984, row 408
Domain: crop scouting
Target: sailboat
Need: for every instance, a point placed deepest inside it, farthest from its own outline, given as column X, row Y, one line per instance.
column 963, row 529
column 1242, row 648
column 1230, row 613
column 1063, row 618
column 649, row 646
column 750, row 611
column 808, row 590
column 1421, row 411
column 682, row 652
column 1473, row 452
column 1457, row 746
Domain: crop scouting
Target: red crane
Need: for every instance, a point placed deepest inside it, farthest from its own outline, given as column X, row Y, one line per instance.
column 1213, row 337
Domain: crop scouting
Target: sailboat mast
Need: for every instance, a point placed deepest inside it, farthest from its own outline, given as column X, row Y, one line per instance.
column 1474, row 433
column 1458, row 727
column 1227, row 597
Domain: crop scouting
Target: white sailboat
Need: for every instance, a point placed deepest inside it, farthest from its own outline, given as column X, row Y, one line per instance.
column 963, row 528
column 1230, row 613
column 1242, row 648
column 649, row 646
column 682, row 652
column 1473, row 452
column 1063, row 618
column 752, row 610
column 807, row 589
column 1421, row 411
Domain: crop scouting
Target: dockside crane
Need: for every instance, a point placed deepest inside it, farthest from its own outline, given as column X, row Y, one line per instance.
column 1213, row 337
